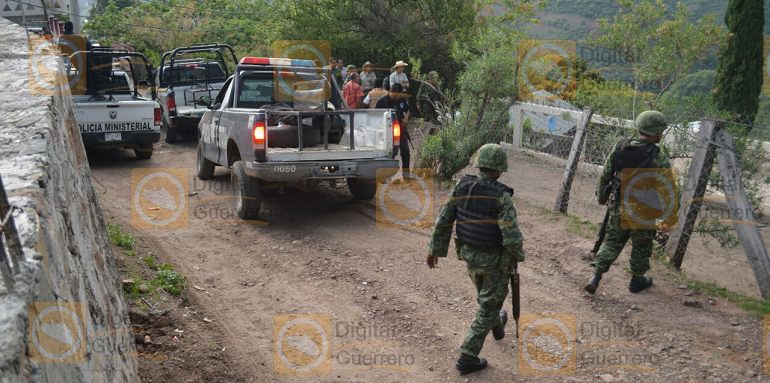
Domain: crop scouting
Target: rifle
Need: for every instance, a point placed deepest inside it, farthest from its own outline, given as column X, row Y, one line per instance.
column 515, row 298
column 602, row 232
column 607, row 194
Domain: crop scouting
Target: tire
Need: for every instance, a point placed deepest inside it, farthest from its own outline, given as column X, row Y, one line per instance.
column 144, row 152
column 286, row 136
column 169, row 135
column 361, row 189
column 204, row 167
column 247, row 198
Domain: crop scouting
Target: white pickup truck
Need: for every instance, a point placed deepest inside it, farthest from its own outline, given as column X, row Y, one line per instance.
column 273, row 132
column 186, row 81
column 110, row 112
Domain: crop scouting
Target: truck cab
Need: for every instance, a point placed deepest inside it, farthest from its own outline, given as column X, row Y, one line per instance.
column 187, row 80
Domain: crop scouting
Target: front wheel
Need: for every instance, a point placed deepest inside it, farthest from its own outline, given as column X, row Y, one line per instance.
column 204, row 167
column 361, row 189
column 247, row 198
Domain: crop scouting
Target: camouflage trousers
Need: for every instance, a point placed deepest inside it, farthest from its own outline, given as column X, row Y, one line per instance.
column 492, row 288
column 615, row 240
column 428, row 112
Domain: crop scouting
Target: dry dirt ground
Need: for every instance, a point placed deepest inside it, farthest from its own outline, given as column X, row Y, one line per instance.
column 322, row 253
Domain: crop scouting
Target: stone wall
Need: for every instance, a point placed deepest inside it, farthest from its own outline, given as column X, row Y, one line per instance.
column 67, row 257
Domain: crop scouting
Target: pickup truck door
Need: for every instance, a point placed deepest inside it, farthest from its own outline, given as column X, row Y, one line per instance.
column 214, row 148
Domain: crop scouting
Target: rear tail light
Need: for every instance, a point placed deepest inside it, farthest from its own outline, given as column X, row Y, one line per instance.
column 171, row 102
column 396, row 132
column 157, row 117
column 259, row 138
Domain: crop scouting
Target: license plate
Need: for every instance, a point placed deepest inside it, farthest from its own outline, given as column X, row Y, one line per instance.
column 112, row 137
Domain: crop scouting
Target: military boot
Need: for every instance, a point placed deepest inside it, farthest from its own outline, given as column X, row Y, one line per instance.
column 639, row 284
column 593, row 283
column 499, row 333
column 466, row 366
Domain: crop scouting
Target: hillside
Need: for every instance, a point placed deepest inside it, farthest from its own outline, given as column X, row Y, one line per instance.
column 574, row 19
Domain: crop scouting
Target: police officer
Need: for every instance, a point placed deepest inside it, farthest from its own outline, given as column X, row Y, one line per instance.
column 641, row 152
column 488, row 240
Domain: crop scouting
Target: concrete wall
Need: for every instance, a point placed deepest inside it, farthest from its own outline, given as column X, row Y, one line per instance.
column 67, row 253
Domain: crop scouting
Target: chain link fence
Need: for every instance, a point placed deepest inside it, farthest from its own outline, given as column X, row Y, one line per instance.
column 543, row 135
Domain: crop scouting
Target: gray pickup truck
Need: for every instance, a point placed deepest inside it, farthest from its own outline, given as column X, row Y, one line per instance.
column 271, row 125
column 186, row 81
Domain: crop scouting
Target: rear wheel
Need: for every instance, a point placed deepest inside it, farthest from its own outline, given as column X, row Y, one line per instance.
column 144, row 151
column 170, row 135
column 204, row 166
column 361, row 189
column 247, row 198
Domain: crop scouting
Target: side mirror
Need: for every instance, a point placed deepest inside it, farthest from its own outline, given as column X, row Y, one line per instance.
column 215, row 106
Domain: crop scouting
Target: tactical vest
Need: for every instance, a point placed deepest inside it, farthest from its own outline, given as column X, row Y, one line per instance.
column 632, row 157
column 477, row 212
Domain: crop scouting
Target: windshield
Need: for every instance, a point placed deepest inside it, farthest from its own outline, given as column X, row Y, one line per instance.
column 259, row 89
column 194, row 73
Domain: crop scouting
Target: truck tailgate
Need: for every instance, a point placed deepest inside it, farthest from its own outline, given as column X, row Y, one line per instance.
column 126, row 116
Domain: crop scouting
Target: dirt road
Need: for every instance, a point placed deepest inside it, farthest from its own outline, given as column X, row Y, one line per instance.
column 322, row 253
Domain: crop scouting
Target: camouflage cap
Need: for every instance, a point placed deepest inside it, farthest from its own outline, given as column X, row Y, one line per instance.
column 433, row 75
column 651, row 122
column 351, row 67
column 491, row 156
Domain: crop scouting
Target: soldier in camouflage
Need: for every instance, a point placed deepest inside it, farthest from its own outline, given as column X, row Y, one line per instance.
column 426, row 96
column 641, row 152
column 488, row 240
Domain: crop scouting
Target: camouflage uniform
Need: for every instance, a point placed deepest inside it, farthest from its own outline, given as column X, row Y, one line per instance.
column 425, row 95
column 616, row 237
column 488, row 268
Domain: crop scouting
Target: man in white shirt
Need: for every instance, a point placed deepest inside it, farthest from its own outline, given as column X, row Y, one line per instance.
column 399, row 77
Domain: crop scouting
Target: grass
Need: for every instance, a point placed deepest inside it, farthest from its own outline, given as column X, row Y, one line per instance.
column 119, row 238
column 581, row 227
column 755, row 306
column 169, row 280
column 576, row 225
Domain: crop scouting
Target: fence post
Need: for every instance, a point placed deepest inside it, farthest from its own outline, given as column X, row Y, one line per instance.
column 562, row 200
column 694, row 188
column 740, row 213
column 10, row 237
column 515, row 114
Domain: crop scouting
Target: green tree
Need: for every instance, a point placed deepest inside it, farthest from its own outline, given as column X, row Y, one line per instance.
column 487, row 85
column 100, row 6
column 739, row 72
column 660, row 48
column 383, row 31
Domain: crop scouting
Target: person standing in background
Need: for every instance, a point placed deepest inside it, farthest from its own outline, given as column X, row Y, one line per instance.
column 399, row 77
column 343, row 71
column 352, row 92
column 350, row 70
column 375, row 94
column 368, row 78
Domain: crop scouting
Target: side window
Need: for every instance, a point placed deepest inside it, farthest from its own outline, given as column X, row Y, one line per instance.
column 221, row 96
